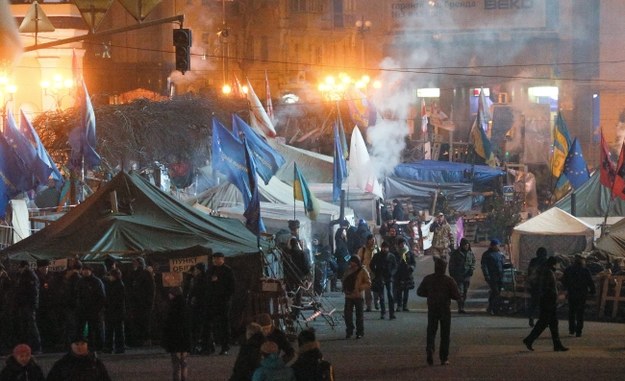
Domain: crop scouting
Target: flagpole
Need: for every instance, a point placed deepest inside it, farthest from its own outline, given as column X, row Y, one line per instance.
column 294, row 177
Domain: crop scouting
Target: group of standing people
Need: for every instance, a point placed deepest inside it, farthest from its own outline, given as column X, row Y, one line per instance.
column 48, row 309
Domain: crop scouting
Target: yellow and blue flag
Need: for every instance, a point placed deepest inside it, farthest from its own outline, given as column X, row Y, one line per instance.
column 561, row 146
column 575, row 168
column 302, row 192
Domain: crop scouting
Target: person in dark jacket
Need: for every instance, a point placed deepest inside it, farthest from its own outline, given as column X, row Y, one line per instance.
column 310, row 365
column 176, row 339
column 533, row 274
column 492, row 268
column 196, row 300
column 115, row 312
column 404, row 278
column 578, row 282
column 91, row 299
column 221, row 285
column 398, row 211
column 383, row 266
column 272, row 367
column 461, row 267
column 68, row 301
column 548, row 308
column 439, row 289
column 46, row 319
column 21, row 366
column 296, row 269
column 26, row 304
column 341, row 249
column 79, row 364
column 275, row 334
column 248, row 358
column 140, row 287
column 6, row 309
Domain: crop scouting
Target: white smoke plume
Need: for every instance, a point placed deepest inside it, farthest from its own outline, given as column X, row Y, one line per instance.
column 10, row 44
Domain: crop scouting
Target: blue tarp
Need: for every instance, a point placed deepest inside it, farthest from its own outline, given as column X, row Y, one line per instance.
column 442, row 172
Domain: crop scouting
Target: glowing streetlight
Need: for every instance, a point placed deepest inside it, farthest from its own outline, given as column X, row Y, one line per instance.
column 58, row 88
column 226, row 89
column 362, row 27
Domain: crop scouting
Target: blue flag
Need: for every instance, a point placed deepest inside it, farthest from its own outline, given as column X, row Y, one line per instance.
column 340, row 166
column 29, row 132
column 267, row 160
column 14, row 176
column 575, row 168
column 253, row 220
column 228, row 157
column 24, row 151
column 82, row 138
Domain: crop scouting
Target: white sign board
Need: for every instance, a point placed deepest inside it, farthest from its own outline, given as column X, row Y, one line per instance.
column 180, row 265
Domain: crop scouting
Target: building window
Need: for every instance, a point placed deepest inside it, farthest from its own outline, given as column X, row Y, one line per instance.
column 337, row 11
column 300, row 6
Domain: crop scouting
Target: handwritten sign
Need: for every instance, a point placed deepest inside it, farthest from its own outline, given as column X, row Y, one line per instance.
column 180, row 265
column 58, row 265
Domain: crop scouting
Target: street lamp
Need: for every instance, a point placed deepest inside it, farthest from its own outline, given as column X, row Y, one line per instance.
column 58, row 89
column 362, row 26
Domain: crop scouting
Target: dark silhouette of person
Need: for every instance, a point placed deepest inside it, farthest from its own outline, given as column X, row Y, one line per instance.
column 579, row 284
column 548, row 308
column 533, row 275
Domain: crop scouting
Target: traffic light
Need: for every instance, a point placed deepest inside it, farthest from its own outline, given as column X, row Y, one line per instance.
column 182, row 42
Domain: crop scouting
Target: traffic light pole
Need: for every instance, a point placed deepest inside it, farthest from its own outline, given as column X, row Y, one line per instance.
column 90, row 36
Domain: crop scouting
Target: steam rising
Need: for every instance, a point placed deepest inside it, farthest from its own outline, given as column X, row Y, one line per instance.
column 10, row 44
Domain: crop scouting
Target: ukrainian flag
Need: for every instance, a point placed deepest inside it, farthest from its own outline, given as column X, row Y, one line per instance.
column 302, row 193
column 561, row 146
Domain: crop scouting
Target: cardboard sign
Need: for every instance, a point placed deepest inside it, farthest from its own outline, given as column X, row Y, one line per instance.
column 180, row 265
column 172, row 279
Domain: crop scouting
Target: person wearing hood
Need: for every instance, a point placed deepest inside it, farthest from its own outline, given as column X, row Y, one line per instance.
column 548, row 304
column 248, row 358
column 355, row 281
column 272, row 367
column 79, row 364
column 21, row 366
column 176, row 338
column 140, row 287
column 439, row 289
column 461, row 268
column 310, row 365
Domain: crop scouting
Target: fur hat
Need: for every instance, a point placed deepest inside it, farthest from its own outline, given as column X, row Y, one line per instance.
column 495, row 242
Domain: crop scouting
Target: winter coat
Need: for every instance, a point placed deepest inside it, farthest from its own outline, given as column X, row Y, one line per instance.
column 492, row 265
column 115, row 300
column 310, row 365
column 279, row 337
column 272, row 368
column 14, row 371
column 248, row 358
column 27, row 290
column 384, row 266
column 361, row 282
column 461, row 264
column 140, row 287
column 548, row 288
column 578, row 282
column 91, row 296
column 176, row 332
column 439, row 289
column 406, row 264
column 78, row 368
column 220, row 285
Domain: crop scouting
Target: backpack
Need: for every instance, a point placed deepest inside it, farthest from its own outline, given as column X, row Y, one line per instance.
column 325, row 371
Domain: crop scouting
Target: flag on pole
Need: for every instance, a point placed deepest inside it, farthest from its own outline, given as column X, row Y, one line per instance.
column 561, row 144
column 340, row 166
column 361, row 109
column 258, row 117
column 268, row 98
column 302, row 192
column 484, row 108
column 14, row 176
column 575, row 168
column 238, row 89
column 26, row 152
column 480, row 141
column 607, row 172
column 618, row 188
column 424, row 117
column 82, row 138
column 268, row 161
column 253, row 219
column 29, row 132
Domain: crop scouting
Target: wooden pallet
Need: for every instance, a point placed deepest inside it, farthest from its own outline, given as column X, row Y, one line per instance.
column 611, row 293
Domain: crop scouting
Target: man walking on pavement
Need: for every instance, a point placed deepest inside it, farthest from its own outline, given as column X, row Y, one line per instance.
column 220, row 290
column 461, row 267
column 443, row 239
column 579, row 284
column 548, row 308
column 533, row 275
column 492, row 267
column 439, row 289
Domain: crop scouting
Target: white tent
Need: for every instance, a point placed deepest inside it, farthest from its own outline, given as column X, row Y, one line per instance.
column 556, row 230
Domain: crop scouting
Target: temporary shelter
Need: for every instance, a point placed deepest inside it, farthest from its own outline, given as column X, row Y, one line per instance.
column 556, row 230
column 613, row 242
column 592, row 200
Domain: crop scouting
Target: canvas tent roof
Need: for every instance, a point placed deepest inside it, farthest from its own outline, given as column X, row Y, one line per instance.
column 592, row 200
column 316, row 167
column 614, row 241
column 556, row 230
column 148, row 221
column 434, row 171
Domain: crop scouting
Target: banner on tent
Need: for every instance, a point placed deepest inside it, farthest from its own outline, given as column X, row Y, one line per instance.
column 180, row 265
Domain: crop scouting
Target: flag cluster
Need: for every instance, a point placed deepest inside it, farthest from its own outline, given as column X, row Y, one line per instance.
column 567, row 161
column 479, row 137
